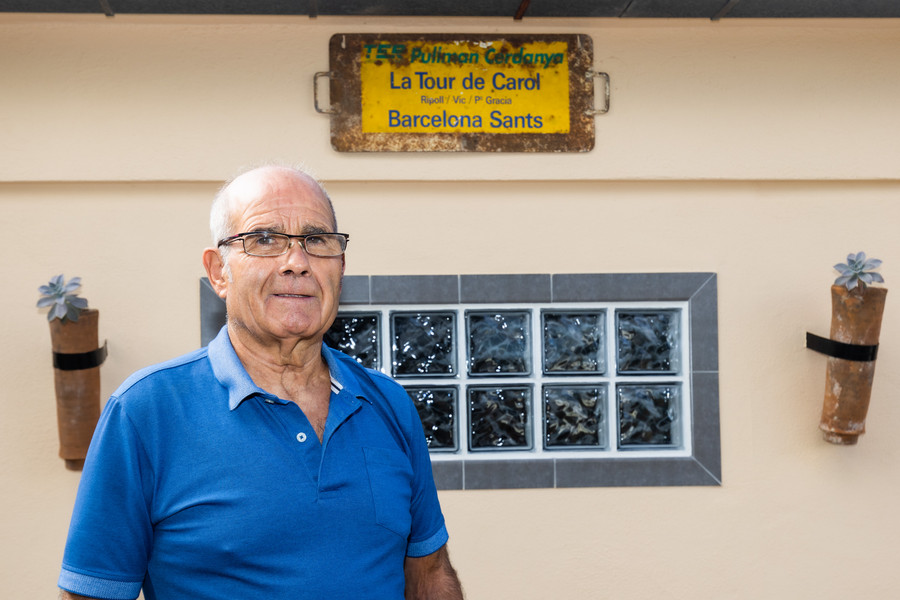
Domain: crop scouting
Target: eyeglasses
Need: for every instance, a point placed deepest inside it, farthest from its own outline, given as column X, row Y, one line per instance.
column 268, row 243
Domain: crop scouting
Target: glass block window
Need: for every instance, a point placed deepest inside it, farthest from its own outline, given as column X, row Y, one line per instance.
column 359, row 335
column 574, row 416
column 499, row 342
column 437, row 408
column 571, row 403
column 648, row 341
column 648, row 414
column 574, row 342
column 423, row 344
column 499, row 417
column 548, row 380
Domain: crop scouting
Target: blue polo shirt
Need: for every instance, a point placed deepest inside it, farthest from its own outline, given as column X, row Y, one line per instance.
column 200, row 485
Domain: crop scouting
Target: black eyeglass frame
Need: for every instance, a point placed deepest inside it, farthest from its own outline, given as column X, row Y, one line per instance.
column 301, row 239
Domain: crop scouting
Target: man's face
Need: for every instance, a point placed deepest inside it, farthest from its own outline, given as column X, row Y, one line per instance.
column 289, row 297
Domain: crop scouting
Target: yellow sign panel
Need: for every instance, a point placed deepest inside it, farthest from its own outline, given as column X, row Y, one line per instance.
column 450, row 92
column 464, row 86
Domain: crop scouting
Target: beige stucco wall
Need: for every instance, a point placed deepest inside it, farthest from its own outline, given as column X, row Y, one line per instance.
column 763, row 151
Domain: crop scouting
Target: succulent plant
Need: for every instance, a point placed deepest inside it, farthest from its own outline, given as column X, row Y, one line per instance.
column 857, row 271
column 62, row 298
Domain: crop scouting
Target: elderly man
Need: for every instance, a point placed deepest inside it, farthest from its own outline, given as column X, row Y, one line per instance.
column 266, row 465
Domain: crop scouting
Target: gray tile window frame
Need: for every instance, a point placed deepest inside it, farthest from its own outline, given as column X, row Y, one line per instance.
column 698, row 290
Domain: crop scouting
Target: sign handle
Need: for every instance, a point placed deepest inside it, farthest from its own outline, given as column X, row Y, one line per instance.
column 605, row 77
column 325, row 111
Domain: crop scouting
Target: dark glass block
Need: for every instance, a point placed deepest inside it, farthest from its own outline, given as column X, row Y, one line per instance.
column 574, row 342
column 499, row 417
column 499, row 342
column 423, row 344
column 648, row 341
column 356, row 334
column 437, row 411
column 647, row 414
column 573, row 416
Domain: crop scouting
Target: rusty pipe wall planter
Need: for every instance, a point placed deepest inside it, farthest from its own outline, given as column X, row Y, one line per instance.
column 852, row 349
column 77, row 357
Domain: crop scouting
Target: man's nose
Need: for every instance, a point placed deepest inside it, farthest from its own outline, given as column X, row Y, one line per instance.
column 296, row 259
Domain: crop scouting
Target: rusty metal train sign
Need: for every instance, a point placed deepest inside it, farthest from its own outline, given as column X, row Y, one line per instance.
column 461, row 93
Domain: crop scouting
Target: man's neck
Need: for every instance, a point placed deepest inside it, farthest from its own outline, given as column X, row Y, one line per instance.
column 294, row 371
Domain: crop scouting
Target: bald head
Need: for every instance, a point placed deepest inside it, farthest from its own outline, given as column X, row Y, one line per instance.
column 255, row 183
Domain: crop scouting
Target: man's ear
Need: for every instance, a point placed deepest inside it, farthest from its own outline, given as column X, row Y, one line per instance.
column 215, row 270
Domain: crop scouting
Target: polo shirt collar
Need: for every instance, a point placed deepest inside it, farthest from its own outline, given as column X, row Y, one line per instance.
column 230, row 372
column 343, row 379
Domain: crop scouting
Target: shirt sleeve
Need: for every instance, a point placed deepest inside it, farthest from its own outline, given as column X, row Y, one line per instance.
column 110, row 534
column 429, row 532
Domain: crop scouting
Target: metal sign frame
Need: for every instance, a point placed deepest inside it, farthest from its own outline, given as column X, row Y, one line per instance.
column 347, row 92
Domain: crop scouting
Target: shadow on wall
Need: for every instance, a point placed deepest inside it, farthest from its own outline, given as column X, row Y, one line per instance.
column 212, row 312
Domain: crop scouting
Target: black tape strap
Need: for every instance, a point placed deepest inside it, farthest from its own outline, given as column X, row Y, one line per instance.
column 79, row 360
column 857, row 352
